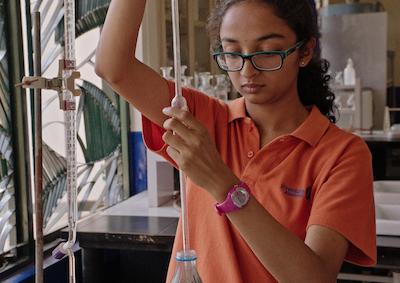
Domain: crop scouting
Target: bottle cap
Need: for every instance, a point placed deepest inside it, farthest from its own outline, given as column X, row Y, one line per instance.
column 186, row 255
column 350, row 62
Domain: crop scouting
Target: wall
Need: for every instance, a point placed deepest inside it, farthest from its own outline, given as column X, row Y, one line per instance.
column 393, row 9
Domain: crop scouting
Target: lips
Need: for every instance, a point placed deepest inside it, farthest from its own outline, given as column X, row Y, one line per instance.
column 252, row 88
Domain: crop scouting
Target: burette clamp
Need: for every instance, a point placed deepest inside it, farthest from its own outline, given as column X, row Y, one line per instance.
column 57, row 84
column 41, row 83
column 64, row 65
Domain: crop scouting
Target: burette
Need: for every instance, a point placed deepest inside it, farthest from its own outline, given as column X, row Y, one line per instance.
column 69, row 107
column 65, row 85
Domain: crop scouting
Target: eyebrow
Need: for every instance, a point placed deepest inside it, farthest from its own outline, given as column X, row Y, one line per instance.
column 261, row 38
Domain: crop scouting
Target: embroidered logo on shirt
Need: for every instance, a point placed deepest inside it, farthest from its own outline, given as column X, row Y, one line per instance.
column 295, row 192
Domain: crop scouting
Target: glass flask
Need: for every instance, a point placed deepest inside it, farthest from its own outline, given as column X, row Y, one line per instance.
column 186, row 271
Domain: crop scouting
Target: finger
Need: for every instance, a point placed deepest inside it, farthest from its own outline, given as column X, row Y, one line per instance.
column 177, row 127
column 184, row 117
column 174, row 154
column 174, row 141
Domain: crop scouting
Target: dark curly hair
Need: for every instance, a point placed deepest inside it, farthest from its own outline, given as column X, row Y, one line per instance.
column 301, row 17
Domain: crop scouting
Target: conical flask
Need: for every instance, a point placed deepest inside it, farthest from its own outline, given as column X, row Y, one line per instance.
column 186, row 271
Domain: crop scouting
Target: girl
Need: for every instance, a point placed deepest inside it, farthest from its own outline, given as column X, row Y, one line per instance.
column 292, row 191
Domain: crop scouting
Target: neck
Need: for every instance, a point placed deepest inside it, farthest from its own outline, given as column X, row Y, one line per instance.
column 279, row 118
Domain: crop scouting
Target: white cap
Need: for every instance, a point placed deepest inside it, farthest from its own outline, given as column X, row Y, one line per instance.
column 350, row 62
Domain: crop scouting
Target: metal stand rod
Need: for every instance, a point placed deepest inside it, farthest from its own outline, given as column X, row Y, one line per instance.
column 38, row 153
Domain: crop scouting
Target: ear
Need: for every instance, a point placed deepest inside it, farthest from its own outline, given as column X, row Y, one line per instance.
column 307, row 52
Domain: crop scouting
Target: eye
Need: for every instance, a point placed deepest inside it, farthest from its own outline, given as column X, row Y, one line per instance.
column 231, row 56
column 230, row 48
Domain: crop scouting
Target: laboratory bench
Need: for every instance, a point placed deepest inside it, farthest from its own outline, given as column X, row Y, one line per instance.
column 131, row 242
column 385, row 152
column 128, row 242
column 124, row 244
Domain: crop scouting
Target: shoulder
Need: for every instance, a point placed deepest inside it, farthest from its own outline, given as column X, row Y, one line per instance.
column 338, row 140
column 340, row 151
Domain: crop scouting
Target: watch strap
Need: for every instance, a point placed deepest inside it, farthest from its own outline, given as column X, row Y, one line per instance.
column 228, row 204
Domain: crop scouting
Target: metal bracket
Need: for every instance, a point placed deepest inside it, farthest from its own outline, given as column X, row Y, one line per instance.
column 56, row 83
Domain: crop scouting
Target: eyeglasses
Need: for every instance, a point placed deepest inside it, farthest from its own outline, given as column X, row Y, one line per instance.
column 262, row 61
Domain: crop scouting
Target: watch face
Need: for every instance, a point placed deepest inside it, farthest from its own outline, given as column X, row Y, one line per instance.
column 240, row 197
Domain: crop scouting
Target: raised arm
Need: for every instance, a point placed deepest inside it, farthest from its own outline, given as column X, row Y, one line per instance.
column 116, row 63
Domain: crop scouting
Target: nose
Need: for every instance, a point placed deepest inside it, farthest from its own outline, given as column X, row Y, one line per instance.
column 248, row 70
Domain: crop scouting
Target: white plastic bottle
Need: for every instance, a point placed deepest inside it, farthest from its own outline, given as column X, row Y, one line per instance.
column 349, row 74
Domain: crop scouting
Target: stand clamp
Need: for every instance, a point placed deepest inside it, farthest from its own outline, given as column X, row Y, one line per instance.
column 56, row 83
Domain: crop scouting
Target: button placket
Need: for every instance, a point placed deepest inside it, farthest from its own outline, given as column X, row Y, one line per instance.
column 254, row 139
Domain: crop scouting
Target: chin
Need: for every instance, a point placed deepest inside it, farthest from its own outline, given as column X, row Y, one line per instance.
column 260, row 98
column 255, row 97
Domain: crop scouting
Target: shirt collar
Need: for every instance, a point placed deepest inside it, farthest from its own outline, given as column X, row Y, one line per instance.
column 313, row 128
column 237, row 109
column 310, row 131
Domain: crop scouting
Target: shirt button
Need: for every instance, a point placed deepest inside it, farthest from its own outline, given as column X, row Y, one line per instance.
column 250, row 154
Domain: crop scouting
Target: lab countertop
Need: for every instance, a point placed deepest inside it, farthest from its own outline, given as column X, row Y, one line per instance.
column 130, row 224
column 138, row 206
column 133, row 223
column 379, row 137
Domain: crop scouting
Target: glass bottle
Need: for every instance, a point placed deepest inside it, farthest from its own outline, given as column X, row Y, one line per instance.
column 185, row 271
column 183, row 70
column 221, row 88
column 197, row 79
column 187, row 81
column 166, row 72
column 205, row 84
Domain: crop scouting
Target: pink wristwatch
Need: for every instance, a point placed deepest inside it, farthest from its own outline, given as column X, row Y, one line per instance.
column 238, row 196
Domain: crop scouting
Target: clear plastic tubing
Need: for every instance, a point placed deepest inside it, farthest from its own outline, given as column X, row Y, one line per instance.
column 70, row 137
column 180, row 102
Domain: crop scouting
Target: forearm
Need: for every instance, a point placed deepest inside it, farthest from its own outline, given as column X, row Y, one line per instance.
column 117, row 45
column 285, row 256
column 282, row 253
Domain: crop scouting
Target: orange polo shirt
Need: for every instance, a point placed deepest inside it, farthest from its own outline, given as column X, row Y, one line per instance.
column 318, row 174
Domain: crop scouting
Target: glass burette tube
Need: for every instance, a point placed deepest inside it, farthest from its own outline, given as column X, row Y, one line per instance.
column 68, row 100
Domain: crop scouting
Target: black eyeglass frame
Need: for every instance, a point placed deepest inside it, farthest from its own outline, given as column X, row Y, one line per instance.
column 283, row 54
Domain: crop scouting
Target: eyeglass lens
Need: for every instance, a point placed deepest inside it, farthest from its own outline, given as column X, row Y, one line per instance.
column 233, row 62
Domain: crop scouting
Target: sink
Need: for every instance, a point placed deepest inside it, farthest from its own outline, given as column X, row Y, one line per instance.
column 387, row 207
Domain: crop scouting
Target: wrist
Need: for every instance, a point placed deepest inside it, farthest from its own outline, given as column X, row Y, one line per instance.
column 237, row 197
column 221, row 188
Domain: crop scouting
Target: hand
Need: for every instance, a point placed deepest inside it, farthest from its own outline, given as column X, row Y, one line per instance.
column 191, row 147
